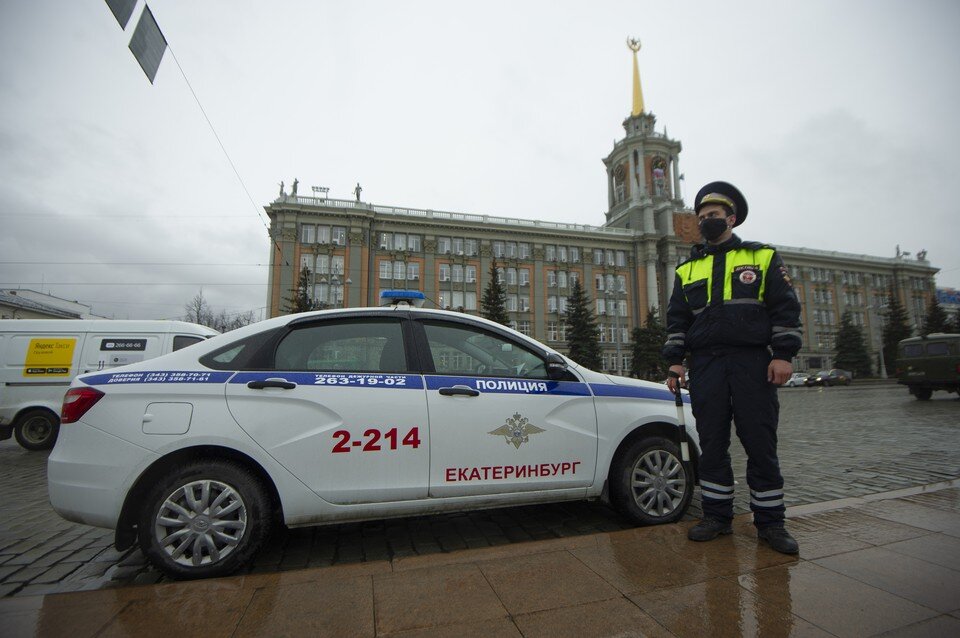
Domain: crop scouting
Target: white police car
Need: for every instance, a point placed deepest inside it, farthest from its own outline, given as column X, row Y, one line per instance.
column 355, row 414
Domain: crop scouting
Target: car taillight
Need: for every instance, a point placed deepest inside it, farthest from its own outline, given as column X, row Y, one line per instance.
column 76, row 403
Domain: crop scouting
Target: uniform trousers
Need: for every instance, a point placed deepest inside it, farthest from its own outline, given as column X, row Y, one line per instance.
column 731, row 384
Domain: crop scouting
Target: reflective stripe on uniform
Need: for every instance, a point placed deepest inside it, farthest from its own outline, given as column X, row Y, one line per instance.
column 770, row 498
column 702, row 270
column 716, row 491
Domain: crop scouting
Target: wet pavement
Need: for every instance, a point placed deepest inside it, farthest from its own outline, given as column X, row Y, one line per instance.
column 881, row 565
column 835, row 443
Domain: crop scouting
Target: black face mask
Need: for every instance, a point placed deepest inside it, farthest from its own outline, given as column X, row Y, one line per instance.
column 712, row 227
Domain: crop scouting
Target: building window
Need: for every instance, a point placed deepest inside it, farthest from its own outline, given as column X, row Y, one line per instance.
column 385, row 241
column 574, row 278
column 523, row 250
column 551, row 279
column 512, row 303
column 498, row 250
column 322, row 265
column 470, row 247
column 597, row 257
column 457, row 245
column 621, row 258
column 305, row 261
column 399, row 270
column 562, row 253
column 413, row 271
column 323, row 234
column 524, row 303
column 471, row 274
column 550, row 253
column 414, row 243
column 443, row 245
column 471, row 301
column 457, row 273
column 444, row 272
column 574, row 254
column 599, row 282
column 523, row 327
column 336, row 265
column 399, row 241
column 308, row 234
column 552, row 332
column 524, row 276
column 339, row 236
column 611, row 260
column 551, row 304
column 562, row 279
column 511, row 276
column 386, row 270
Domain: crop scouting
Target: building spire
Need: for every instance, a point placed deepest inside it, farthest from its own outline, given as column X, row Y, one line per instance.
column 634, row 45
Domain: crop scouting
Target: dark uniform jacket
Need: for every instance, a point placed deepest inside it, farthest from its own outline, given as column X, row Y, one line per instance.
column 732, row 295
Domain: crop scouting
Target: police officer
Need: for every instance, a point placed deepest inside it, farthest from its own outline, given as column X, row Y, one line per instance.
column 734, row 310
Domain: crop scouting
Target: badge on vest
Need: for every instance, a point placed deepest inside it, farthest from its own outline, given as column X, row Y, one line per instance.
column 746, row 274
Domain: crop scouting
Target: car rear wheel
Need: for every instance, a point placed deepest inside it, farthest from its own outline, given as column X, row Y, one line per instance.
column 206, row 518
column 37, row 430
column 923, row 394
column 650, row 483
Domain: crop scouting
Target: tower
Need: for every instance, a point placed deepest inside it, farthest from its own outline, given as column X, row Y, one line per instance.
column 643, row 188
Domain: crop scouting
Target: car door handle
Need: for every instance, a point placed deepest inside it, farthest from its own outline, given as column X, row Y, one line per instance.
column 459, row 390
column 272, row 383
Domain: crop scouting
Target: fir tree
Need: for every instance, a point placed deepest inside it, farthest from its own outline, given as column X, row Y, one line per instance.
column 300, row 300
column 647, row 344
column 583, row 340
column 851, row 348
column 493, row 306
column 895, row 328
column 936, row 320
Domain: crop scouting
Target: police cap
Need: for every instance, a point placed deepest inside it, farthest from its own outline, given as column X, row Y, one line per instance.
column 723, row 193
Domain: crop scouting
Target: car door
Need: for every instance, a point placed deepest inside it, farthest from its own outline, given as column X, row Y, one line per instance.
column 498, row 424
column 339, row 409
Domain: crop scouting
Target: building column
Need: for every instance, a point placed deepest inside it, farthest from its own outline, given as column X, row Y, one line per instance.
column 653, row 299
column 676, row 177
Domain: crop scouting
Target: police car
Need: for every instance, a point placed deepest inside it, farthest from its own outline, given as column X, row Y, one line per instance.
column 350, row 415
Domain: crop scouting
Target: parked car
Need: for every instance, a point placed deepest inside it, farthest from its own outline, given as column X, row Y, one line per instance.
column 40, row 357
column 796, row 379
column 351, row 415
column 827, row 378
column 929, row 363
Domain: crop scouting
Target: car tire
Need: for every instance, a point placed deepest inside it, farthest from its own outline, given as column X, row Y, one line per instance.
column 37, row 430
column 182, row 539
column 923, row 394
column 649, row 482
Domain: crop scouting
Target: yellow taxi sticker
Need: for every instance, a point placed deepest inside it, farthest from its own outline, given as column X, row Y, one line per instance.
column 49, row 357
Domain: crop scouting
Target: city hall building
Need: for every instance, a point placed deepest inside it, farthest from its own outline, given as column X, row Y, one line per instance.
column 355, row 249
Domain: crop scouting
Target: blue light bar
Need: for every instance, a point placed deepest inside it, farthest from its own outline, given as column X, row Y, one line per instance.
column 413, row 298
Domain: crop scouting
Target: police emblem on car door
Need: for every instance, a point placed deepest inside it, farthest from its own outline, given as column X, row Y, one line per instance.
column 498, row 423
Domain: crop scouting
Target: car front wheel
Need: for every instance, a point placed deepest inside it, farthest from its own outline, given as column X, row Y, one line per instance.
column 203, row 519
column 650, row 483
column 37, row 430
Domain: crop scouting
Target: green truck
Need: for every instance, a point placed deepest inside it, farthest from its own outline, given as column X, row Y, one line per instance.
column 929, row 363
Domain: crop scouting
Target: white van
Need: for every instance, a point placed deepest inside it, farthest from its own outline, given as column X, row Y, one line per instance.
column 40, row 357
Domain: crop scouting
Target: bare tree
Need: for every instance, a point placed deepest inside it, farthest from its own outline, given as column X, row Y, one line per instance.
column 198, row 310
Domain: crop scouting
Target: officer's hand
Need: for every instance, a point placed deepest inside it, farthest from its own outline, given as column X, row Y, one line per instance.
column 779, row 371
column 672, row 383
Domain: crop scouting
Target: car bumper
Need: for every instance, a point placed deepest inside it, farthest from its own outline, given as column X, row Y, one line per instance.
column 89, row 472
column 6, row 431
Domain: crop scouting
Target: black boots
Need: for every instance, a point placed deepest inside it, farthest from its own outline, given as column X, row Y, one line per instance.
column 779, row 539
column 708, row 529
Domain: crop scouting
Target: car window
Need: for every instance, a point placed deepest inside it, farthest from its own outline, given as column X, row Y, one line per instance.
column 463, row 350
column 937, row 349
column 238, row 355
column 913, row 350
column 357, row 345
column 182, row 341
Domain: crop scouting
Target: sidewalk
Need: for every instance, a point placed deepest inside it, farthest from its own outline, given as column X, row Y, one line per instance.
column 882, row 563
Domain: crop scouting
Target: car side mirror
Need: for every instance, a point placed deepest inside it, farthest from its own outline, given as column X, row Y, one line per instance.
column 556, row 366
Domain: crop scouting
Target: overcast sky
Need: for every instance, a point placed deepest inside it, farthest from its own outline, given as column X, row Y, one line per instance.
column 838, row 120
